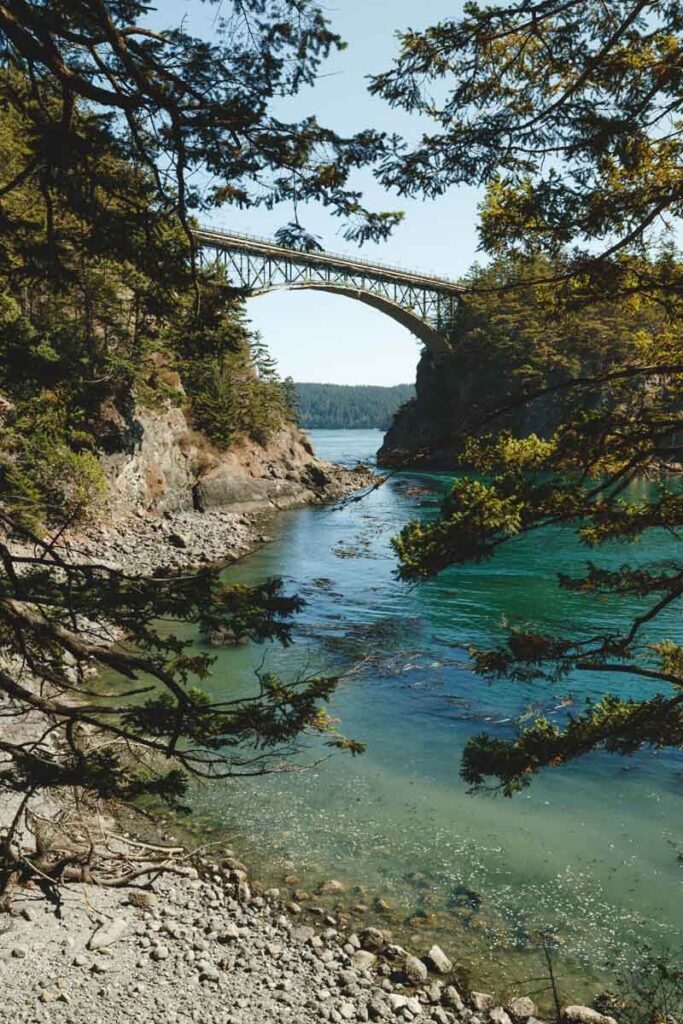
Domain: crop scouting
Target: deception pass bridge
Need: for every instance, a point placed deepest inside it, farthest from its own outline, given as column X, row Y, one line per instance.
column 425, row 305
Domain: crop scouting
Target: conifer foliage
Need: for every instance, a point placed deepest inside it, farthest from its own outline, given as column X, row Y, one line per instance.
column 114, row 136
column 569, row 114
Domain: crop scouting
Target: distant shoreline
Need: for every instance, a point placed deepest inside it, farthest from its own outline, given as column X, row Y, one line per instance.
column 349, row 406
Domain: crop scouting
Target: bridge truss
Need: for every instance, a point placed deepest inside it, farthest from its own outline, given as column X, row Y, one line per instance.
column 425, row 305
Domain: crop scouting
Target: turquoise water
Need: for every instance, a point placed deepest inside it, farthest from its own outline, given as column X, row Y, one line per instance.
column 586, row 854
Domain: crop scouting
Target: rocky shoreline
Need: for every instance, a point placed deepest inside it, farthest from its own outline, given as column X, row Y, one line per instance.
column 147, row 540
column 210, row 946
column 206, row 943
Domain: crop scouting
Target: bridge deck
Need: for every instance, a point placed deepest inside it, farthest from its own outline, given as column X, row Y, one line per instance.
column 266, row 247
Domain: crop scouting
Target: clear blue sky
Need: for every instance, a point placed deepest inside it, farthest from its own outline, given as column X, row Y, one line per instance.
column 318, row 337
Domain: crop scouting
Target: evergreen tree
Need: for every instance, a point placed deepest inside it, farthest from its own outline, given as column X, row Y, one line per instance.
column 569, row 114
column 349, row 406
column 105, row 125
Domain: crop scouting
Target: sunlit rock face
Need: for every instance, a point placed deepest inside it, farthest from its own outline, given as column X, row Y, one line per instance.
column 155, row 461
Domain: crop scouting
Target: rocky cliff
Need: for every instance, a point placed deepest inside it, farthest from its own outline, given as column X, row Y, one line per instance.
column 161, row 465
column 454, row 395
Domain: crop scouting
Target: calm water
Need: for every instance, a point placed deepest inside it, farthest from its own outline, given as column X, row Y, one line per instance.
column 585, row 854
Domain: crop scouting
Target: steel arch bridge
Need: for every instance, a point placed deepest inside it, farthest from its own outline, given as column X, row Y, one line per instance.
column 425, row 305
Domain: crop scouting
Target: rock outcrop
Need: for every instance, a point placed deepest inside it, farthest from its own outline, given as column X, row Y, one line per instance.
column 454, row 394
column 155, row 462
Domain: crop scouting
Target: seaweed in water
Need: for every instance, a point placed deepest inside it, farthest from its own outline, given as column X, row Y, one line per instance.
column 461, row 897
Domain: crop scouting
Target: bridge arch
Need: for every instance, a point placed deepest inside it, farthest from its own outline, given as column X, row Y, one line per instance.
column 425, row 305
column 423, row 331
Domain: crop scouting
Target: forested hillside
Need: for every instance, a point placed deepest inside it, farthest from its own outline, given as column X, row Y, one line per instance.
column 349, row 406
column 512, row 342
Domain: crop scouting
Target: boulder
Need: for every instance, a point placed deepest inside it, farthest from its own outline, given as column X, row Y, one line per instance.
column 521, row 1008
column 584, row 1015
column 438, row 961
column 497, row 1015
column 227, row 485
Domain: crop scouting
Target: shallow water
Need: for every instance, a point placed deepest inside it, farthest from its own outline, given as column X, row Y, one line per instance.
column 585, row 855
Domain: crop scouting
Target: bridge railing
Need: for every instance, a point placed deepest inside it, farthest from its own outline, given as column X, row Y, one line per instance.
column 233, row 239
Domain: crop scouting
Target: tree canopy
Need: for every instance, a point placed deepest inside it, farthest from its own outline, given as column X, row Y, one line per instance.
column 178, row 104
column 349, row 406
column 113, row 137
column 569, row 113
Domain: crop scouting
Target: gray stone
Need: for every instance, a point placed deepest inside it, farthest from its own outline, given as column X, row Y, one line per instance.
column 371, row 939
column 584, row 1015
column 108, row 933
column 482, row 1001
column 497, row 1015
column 228, row 934
column 394, row 952
column 378, row 1009
column 438, row 960
column 143, row 900
column 210, row 973
column 363, row 959
column 19, row 952
column 415, row 970
column 331, row 887
column 451, row 997
column 226, row 485
column 521, row 1008
column 397, row 1001
column 302, row 933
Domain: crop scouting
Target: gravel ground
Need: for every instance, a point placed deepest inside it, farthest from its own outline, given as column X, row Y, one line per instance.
column 215, row 950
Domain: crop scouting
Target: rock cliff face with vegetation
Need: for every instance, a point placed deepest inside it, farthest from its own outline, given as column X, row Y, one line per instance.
column 508, row 345
column 169, row 466
column 131, row 380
